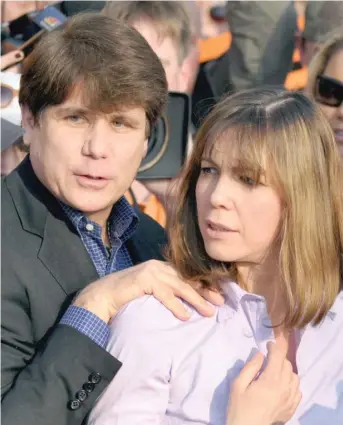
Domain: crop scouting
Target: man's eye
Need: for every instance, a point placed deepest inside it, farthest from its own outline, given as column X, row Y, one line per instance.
column 74, row 118
column 118, row 124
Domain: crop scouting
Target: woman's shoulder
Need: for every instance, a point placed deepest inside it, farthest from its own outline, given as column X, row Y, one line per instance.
column 147, row 313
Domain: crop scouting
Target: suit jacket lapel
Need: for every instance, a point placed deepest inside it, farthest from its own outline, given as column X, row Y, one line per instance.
column 64, row 255
column 62, row 251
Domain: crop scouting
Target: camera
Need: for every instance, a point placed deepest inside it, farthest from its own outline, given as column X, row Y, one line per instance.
column 167, row 144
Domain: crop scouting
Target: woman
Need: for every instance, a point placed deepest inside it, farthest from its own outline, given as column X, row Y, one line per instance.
column 325, row 83
column 260, row 216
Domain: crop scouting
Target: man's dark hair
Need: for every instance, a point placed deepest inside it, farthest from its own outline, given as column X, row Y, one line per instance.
column 108, row 60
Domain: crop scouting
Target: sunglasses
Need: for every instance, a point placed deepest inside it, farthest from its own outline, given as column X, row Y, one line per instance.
column 329, row 91
column 8, row 93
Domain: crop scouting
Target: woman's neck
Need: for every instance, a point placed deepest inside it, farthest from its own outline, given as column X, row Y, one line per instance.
column 265, row 280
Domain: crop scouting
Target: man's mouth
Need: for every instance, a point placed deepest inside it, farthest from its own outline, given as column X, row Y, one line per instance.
column 92, row 177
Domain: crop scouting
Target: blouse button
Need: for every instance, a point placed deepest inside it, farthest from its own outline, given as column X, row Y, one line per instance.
column 248, row 333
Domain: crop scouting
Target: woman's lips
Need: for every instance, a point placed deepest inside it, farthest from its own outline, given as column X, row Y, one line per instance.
column 218, row 231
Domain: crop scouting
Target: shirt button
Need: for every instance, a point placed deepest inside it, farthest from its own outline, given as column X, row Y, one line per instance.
column 89, row 227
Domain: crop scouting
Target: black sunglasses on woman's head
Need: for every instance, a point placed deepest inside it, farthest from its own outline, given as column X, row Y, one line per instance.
column 329, row 91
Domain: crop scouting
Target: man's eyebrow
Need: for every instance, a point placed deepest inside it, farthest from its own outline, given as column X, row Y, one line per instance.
column 125, row 116
column 72, row 110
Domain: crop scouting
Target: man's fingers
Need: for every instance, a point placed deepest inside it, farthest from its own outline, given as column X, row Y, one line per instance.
column 191, row 296
column 214, row 297
column 249, row 372
column 172, row 303
column 275, row 361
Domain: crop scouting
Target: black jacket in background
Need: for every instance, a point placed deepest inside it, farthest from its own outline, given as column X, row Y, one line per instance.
column 44, row 263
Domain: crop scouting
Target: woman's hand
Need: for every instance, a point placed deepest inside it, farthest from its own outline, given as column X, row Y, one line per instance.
column 271, row 398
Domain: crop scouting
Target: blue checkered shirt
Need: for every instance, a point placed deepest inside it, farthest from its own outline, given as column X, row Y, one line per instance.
column 121, row 226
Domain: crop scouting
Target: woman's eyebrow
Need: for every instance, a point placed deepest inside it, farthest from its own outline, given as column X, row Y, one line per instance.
column 208, row 159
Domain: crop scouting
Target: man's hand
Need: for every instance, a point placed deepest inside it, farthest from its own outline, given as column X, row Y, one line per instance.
column 106, row 296
column 272, row 398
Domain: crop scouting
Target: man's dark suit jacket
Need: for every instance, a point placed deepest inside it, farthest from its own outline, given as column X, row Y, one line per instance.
column 44, row 263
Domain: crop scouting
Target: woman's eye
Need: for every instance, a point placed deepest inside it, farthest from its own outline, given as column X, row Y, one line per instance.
column 247, row 180
column 208, row 170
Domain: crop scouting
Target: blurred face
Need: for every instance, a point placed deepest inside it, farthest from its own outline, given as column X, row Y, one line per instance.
column 238, row 218
column 10, row 159
column 87, row 160
column 334, row 69
column 167, row 52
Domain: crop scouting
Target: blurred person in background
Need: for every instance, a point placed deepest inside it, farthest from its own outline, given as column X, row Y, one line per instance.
column 15, row 152
column 322, row 18
column 13, row 147
column 262, row 42
column 325, row 83
column 170, row 28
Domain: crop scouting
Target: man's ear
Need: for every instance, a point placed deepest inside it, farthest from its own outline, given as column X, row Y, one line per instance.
column 27, row 122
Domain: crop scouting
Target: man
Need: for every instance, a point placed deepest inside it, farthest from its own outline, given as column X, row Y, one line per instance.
column 170, row 29
column 89, row 95
column 262, row 44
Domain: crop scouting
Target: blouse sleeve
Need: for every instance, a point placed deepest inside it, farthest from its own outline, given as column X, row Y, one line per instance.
column 139, row 394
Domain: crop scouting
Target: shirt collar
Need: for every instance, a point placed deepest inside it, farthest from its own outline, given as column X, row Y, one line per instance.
column 122, row 222
column 234, row 296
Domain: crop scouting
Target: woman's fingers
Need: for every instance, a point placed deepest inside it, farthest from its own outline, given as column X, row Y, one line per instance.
column 249, row 372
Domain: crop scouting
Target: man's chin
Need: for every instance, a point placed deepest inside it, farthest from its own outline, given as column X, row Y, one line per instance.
column 90, row 205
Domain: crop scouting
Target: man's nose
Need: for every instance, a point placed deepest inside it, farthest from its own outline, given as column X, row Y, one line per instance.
column 96, row 141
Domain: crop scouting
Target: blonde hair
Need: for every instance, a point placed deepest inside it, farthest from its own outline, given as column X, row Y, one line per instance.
column 169, row 19
column 289, row 133
column 321, row 60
